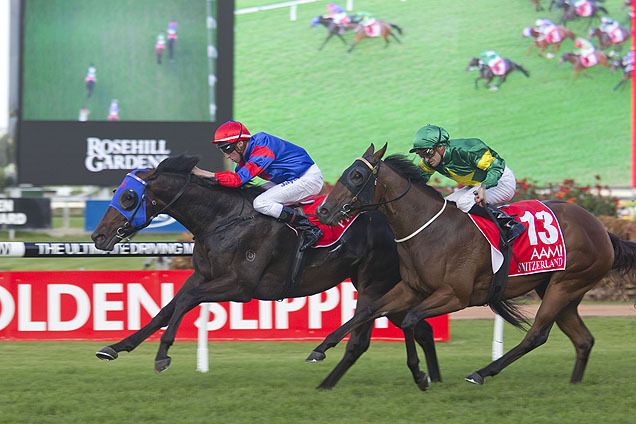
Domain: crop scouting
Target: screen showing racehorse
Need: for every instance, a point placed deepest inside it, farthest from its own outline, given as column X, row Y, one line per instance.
column 102, row 78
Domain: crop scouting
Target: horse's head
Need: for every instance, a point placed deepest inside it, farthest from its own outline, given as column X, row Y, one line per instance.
column 355, row 190
column 135, row 204
column 567, row 57
column 473, row 64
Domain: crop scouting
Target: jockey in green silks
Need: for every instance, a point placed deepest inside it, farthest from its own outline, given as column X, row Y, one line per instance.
column 471, row 163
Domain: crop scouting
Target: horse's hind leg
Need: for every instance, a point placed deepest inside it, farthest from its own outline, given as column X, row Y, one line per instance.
column 158, row 321
column 553, row 303
column 570, row 322
column 395, row 38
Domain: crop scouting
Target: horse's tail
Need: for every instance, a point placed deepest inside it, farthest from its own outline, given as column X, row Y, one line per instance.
column 602, row 9
column 570, row 34
column 526, row 73
column 397, row 28
column 624, row 254
column 511, row 314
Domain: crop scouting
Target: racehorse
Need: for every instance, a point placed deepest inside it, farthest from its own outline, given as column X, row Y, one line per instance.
column 543, row 43
column 605, row 40
column 627, row 72
column 537, row 6
column 588, row 10
column 159, row 48
column 385, row 32
column 577, row 63
column 486, row 73
column 90, row 85
column 240, row 254
column 445, row 264
column 332, row 28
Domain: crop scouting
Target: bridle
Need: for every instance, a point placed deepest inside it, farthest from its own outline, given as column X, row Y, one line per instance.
column 127, row 229
column 364, row 192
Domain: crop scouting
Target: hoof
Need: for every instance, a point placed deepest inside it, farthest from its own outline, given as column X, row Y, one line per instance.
column 324, row 386
column 422, row 380
column 475, row 378
column 315, row 357
column 107, row 354
column 162, row 365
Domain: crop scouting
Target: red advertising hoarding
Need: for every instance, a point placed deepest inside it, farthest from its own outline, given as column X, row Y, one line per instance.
column 110, row 305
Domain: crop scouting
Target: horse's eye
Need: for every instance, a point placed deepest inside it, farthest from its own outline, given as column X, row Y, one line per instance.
column 356, row 178
column 128, row 199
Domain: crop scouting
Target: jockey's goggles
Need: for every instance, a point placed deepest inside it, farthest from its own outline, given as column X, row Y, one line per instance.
column 227, row 148
column 428, row 153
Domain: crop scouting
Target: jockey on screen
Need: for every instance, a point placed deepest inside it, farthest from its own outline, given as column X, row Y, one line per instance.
column 291, row 174
column 91, row 75
column 113, row 111
column 586, row 50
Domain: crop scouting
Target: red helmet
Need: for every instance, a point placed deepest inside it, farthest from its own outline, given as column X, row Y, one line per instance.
column 228, row 134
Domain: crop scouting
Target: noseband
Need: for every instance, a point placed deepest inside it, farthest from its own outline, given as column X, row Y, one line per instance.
column 366, row 191
column 127, row 230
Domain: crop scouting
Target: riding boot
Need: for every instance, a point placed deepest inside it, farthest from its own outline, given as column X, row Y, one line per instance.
column 510, row 227
column 309, row 231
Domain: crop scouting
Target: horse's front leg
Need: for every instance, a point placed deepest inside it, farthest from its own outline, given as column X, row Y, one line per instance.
column 109, row 353
column 325, row 42
column 224, row 288
column 398, row 299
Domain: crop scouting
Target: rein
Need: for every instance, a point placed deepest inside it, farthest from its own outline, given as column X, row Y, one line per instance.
column 347, row 208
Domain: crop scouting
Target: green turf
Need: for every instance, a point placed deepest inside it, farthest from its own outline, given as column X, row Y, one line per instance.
column 547, row 127
column 118, row 37
column 51, row 382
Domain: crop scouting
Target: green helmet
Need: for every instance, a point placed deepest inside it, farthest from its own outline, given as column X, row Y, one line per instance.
column 430, row 136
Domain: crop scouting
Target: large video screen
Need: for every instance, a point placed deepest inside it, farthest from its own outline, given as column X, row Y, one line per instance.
column 109, row 86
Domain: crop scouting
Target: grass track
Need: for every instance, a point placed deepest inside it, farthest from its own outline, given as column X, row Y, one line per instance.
column 548, row 127
column 48, row 382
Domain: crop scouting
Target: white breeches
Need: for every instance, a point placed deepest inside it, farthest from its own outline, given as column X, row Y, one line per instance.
column 502, row 192
column 271, row 201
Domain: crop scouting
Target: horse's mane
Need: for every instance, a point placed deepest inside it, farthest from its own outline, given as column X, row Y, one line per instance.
column 183, row 164
column 407, row 169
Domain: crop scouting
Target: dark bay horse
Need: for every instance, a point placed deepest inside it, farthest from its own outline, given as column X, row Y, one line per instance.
column 486, row 73
column 386, row 30
column 626, row 71
column 240, row 255
column 589, row 11
column 605, row 40
column 445, row 261
column 90, row 85
column 332, row 29
column 577, row 63
column 543, row 43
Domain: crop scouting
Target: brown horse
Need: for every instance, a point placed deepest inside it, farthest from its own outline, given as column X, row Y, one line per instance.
column 386, row 30
column 543, row 43
column 605, row 39
column 445, row 264
column 486, row 73
column 577, row 63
